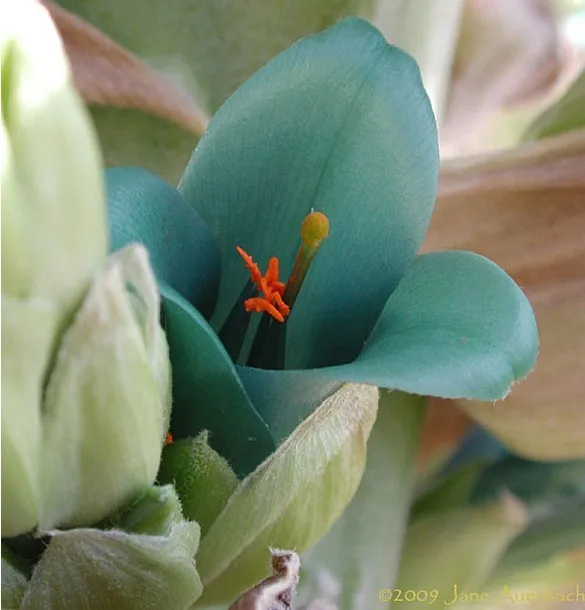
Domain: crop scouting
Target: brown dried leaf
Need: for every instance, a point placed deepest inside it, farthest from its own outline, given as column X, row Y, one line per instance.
column 107, row 74
column 525, row 209
column 277, row 591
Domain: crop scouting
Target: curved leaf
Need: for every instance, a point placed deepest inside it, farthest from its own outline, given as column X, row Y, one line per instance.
column 542, row 541
column 291, row 499
column 114, row 569
column 203, row 479
column 543, row 488
column 567, row 114
column 154, row 512
column 340, row 122
column 468, row 541
column 214, row 46
column 136, row 138
column 14, row 579
column 106, row 73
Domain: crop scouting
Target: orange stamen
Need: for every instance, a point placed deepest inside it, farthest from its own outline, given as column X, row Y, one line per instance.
column 261, row 305
column 271, row 301
column 253, row 268
column 169, row 439
column 265, row 289
column 282, row 306
column 272, row 271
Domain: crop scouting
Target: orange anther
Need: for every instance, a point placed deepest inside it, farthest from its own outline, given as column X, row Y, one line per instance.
column 282, row 306
column 265, row 289
column 253, row 268
column 169, row 439
column 271, row 301
column 272, row 271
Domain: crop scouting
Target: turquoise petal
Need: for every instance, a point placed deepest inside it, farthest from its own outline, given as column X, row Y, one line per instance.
column 144, row 208
column 207, row 393
column 457, row 326
column 285, row 398
column 339, row 122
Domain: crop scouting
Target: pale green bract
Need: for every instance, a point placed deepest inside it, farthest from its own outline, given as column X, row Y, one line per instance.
column 85, row 374
column 118, row 570
column 291, row 499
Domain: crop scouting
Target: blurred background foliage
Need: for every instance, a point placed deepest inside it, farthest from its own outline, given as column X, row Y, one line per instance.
column 490, row 66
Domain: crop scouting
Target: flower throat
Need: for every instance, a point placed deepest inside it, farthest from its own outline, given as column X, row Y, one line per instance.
column 267, row 295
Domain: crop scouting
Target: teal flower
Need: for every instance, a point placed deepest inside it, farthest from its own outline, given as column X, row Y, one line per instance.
column 340, row 124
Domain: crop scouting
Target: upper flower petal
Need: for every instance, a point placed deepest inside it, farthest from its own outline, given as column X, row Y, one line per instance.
column 457, row 326
column 339, row 123
column 144, row 208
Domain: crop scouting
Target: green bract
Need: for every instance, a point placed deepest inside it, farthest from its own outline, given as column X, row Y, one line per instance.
column 339, row 123
column 118, row 570
column 85, row 367
column 293, row 497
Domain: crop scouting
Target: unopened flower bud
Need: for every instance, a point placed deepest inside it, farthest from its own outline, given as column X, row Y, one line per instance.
column 104, row 416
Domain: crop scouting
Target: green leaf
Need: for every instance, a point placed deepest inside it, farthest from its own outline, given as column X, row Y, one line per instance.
column 567, row 114
column 543, row 488
column 452, row 492
column 203, row 479
column 144, row 208
column 207, row 392
column 457, row 327
column 361, row 553
column 340, row 122
column 543, row 541
column 293, row 498
column 154, row 512
column 104, row 411
column 556, row 580
column 211, row 48
column 114, row 569
column 458, row 547
column 14, row 579
column 135, row 138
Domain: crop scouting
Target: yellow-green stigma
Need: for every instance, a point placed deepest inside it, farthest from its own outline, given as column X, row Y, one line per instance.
column 314, row 229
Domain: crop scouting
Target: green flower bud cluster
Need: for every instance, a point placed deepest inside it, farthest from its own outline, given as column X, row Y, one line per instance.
column 85, row 368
